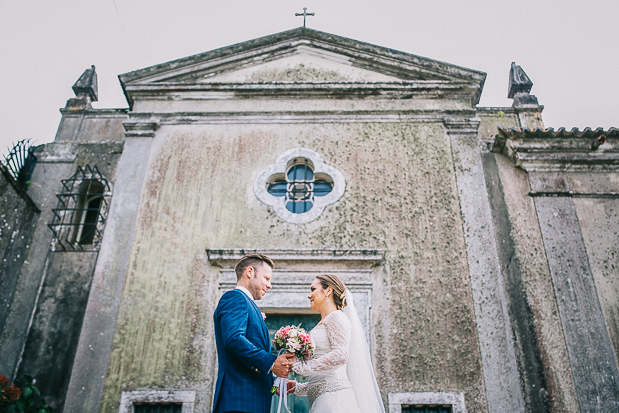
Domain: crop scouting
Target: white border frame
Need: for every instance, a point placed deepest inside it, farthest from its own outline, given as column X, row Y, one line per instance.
column 278, row 203
column 455, row 400
column 187, row 398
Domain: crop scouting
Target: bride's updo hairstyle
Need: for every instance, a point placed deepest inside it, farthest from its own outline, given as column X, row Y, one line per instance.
column 338, row 286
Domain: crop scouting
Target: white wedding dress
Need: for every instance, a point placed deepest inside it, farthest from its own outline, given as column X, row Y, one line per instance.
column 341, row 377
column 328, row 387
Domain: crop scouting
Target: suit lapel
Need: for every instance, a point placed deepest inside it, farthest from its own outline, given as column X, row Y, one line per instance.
column 265, row 329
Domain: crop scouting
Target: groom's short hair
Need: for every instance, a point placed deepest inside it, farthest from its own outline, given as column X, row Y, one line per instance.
column 251, row 260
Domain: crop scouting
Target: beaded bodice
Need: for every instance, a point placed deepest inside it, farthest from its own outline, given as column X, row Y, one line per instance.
column 327, row 369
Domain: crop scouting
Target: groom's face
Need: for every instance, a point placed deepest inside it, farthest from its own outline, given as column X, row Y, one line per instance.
column 260, row 281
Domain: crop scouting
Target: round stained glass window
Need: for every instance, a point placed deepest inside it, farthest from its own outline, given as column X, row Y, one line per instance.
column 299, row 186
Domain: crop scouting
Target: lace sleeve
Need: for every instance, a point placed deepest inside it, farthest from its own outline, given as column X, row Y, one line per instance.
column 301, row 389
column 338, row 331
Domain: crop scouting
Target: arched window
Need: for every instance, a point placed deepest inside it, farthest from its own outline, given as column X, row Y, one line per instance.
column 299, row 185
column 87, row 212
column 80, row 215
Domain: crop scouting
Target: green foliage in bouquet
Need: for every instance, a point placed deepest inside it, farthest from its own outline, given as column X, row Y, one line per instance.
column 26, row 399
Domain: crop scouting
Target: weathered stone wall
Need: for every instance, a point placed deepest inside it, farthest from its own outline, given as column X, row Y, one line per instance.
column 599, row 223
column 572, row 186
column 44, row 321
column 18, row 215
column 585, row 330
column 57, row 322
column 45, row 184
column 400, row 196
column 543, row 363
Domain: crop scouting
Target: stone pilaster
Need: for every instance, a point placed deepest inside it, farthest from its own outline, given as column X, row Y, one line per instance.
column 95, row 344
column 498, row 356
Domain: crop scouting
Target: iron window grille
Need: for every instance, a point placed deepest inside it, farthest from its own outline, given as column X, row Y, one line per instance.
column 157, row 407
column 299, row 185
column 81, row 213
column 20, row 162
column 426, row 409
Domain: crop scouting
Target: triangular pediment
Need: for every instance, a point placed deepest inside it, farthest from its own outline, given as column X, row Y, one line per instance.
column 307, row 65
column 301, row 56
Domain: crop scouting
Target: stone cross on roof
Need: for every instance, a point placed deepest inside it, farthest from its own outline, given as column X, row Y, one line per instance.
column 304, row 14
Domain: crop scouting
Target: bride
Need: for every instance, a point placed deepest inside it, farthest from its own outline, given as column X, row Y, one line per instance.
column 341, row 378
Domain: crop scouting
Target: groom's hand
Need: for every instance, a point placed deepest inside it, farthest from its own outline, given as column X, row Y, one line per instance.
column 283, row 364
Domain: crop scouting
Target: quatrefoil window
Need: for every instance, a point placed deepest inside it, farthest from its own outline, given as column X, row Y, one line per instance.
column 299, row 185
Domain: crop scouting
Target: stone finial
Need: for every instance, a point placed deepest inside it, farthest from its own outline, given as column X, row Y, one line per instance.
column 519, row 87
column 86, row 85
column 86, row 91
column 519, row 82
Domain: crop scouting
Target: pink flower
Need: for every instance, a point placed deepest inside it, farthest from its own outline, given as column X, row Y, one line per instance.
column 264, row 316
column 296, row 340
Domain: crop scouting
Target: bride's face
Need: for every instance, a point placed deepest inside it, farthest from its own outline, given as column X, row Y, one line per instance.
column 317, row 295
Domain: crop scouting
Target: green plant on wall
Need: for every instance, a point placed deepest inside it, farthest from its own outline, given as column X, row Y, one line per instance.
column 26, row 399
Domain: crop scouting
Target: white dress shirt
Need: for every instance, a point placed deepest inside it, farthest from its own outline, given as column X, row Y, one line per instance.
column 245, row 290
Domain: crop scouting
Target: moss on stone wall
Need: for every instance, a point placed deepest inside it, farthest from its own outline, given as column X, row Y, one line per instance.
column 400, row 196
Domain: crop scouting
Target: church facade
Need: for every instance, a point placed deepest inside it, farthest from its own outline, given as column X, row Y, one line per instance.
column 482, row 248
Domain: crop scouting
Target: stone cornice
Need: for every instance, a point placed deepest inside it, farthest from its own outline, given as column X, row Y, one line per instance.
column 140, row 128
column 228, row 257
column 285, row 90
column 561, row 150
column 278, row 117
column 461, row 126
column 99, row 113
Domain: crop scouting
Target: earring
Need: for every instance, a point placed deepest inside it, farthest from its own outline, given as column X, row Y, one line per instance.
column 327, row 298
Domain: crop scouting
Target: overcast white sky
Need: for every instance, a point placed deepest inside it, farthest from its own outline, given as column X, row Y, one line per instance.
column 568, row 48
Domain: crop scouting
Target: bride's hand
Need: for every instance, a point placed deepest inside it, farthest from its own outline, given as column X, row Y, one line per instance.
column 291, row 385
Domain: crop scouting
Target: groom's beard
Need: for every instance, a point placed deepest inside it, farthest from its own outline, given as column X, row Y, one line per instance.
column 257, row 292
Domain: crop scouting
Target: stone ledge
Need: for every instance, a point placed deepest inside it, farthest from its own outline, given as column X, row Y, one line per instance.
column 140, row 127
column 227, row 258
column 455, row 400
column 561, row 150
column 187, row 398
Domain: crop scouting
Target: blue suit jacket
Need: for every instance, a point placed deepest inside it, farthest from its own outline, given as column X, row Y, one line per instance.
column 243, row 349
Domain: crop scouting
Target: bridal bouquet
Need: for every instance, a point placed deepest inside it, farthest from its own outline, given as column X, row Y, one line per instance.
column 295, row 340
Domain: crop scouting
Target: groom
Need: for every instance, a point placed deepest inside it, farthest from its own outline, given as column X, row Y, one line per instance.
column 244, row 379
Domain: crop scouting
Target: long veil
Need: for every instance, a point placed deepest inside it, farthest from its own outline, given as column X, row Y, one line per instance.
column 359, row 366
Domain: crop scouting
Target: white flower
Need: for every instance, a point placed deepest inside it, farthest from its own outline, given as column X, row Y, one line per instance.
column 293, row 344
column 293, row 332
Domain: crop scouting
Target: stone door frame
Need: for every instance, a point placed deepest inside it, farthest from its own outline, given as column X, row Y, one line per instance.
column 295, row 269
